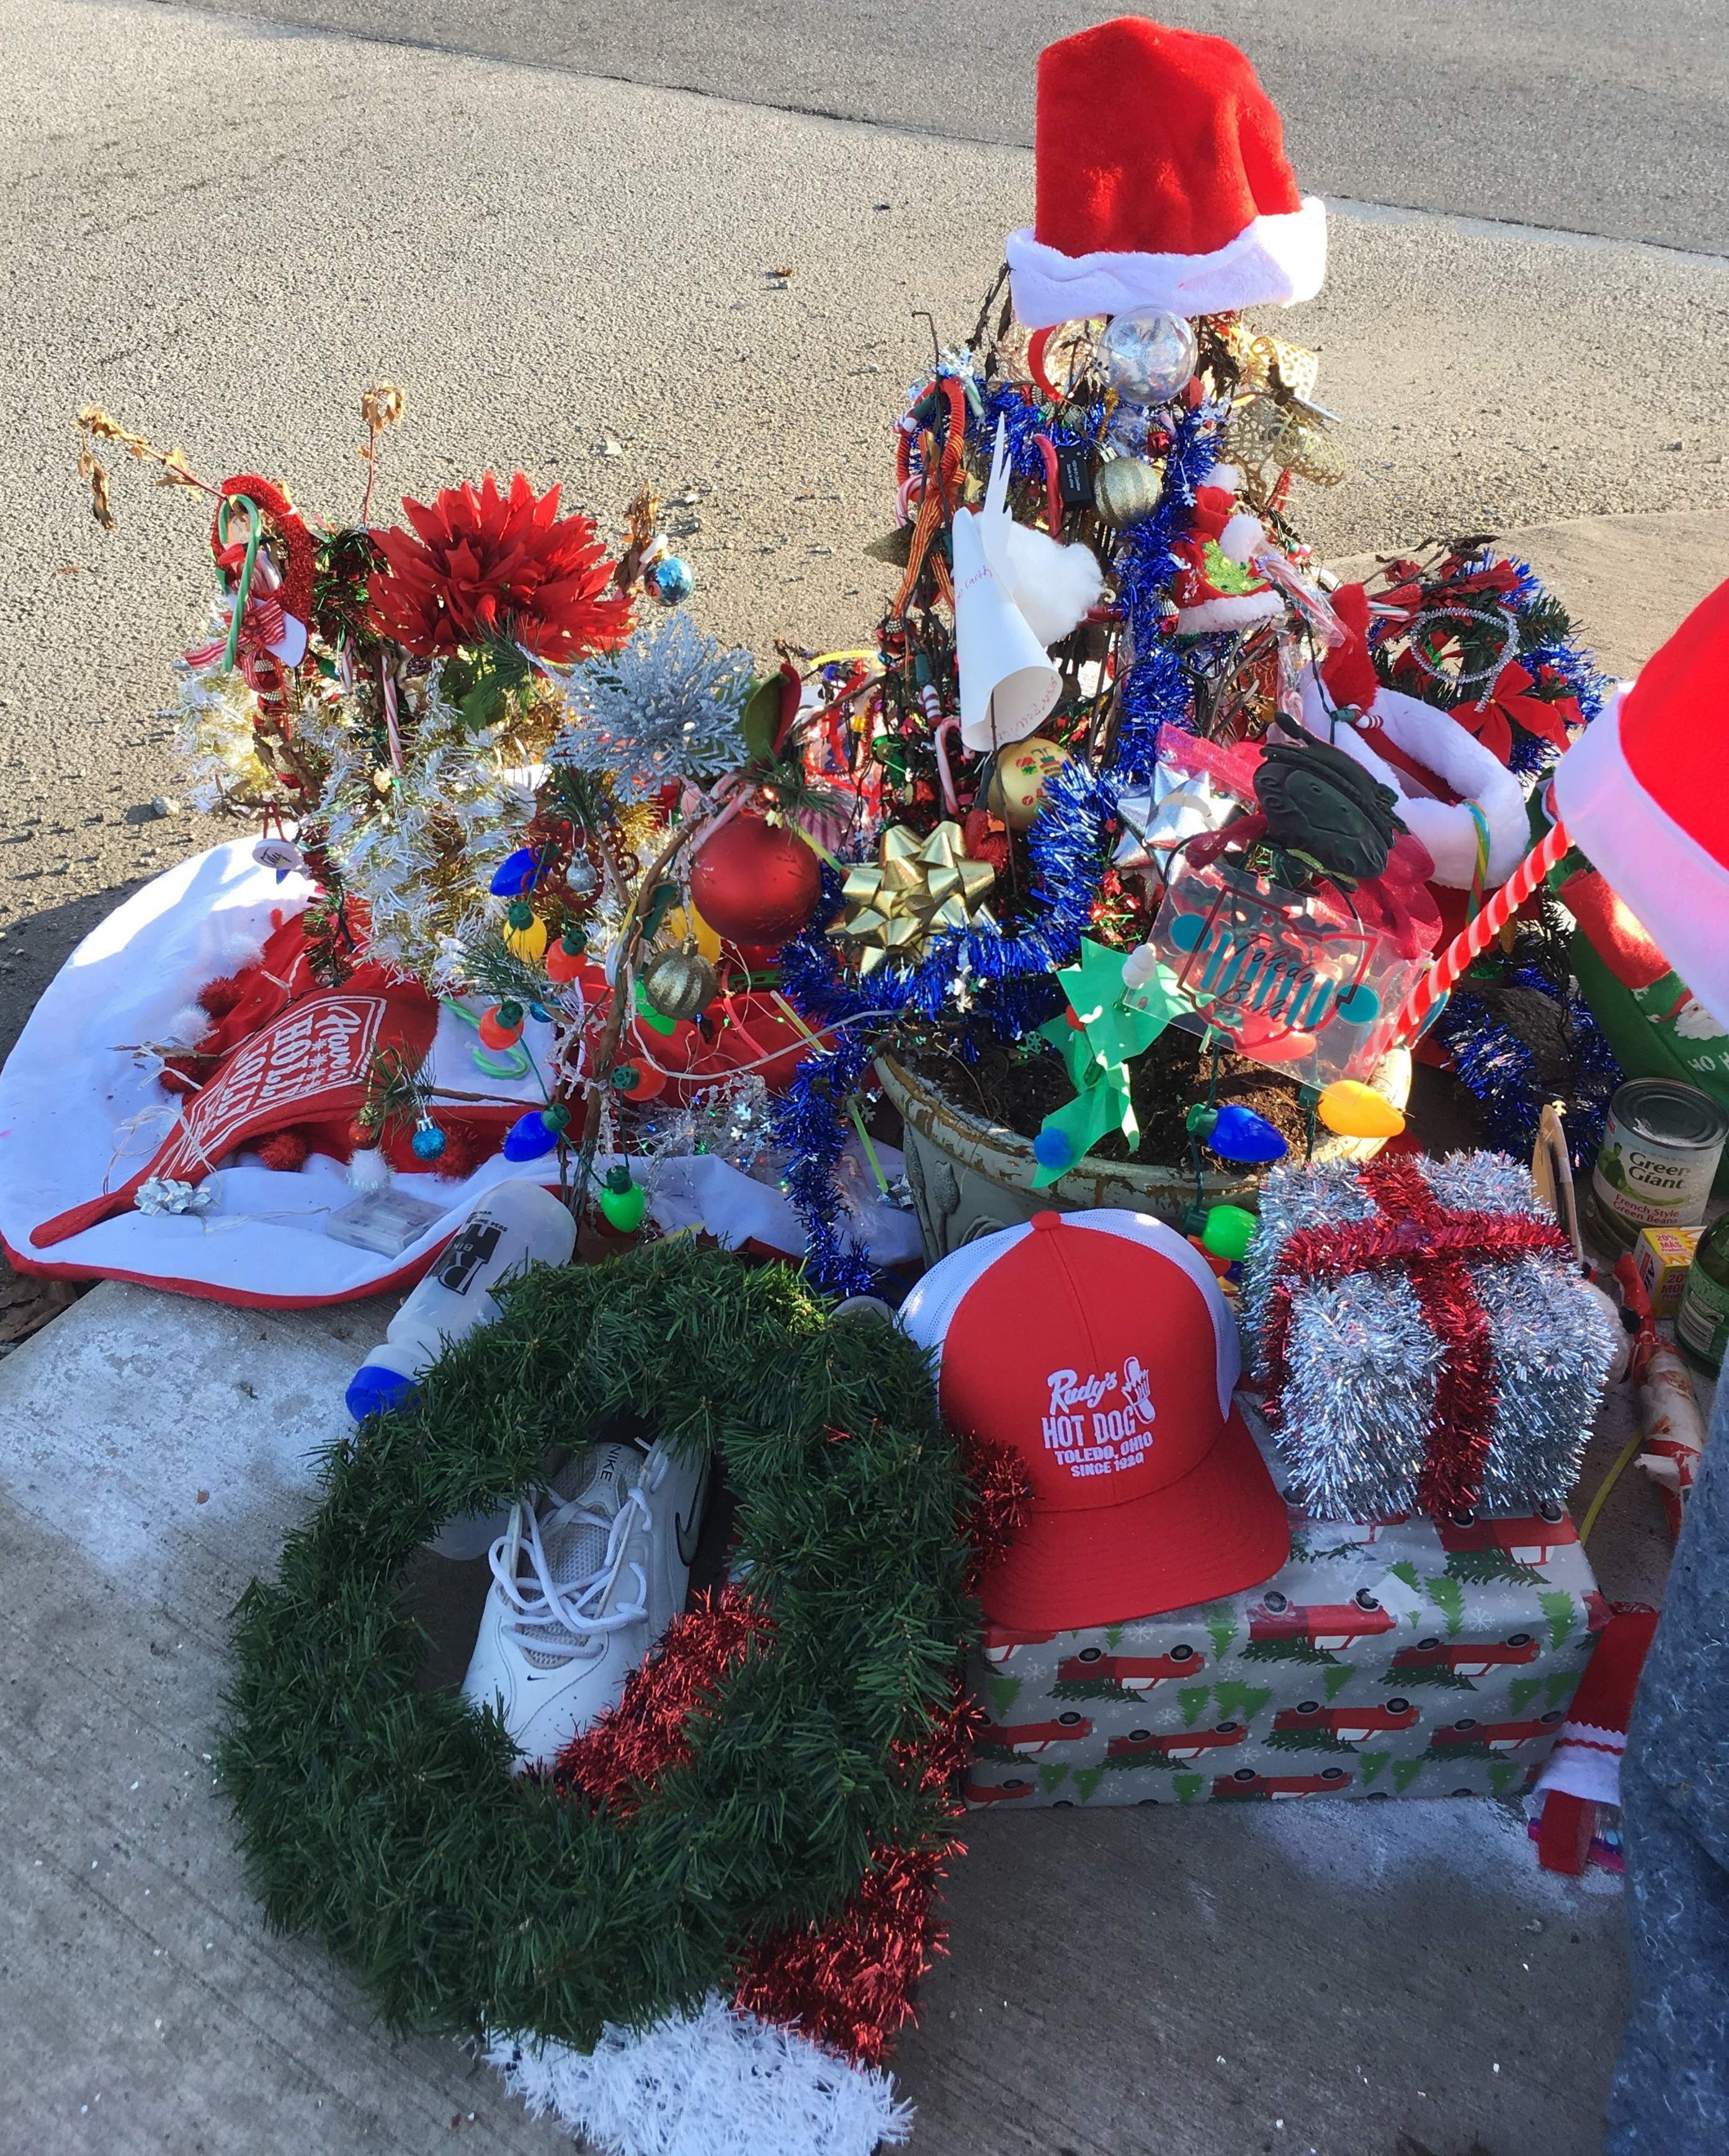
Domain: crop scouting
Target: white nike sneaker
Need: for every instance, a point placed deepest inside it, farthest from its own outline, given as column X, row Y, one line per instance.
column 588, row 1575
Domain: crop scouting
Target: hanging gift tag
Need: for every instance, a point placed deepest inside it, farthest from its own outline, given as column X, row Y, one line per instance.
column 1277, row 971
column 1074, row 476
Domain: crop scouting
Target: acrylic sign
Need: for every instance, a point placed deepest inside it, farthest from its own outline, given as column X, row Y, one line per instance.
column 1286, row 980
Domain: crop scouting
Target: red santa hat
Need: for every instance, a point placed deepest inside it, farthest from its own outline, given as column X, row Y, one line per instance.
column 1162, row 182
column 1645, row 791
column 1584, row 1769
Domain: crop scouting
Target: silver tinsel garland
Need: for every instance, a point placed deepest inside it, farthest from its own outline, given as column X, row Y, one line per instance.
column 667, row 704
column 1363, row 1362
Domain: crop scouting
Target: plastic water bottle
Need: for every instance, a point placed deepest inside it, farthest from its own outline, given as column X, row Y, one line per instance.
column 514, row 1226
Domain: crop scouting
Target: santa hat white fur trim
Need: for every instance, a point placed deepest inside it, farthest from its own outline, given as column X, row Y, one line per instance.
column 716, row 2082
column 1279, row 259
column 1242, row 537
column 1586, row 1762
column 1658, row 871
column 1435, row 739
column 1230, row 610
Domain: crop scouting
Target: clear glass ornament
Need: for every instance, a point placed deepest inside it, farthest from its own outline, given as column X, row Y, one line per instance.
column 1149, row 355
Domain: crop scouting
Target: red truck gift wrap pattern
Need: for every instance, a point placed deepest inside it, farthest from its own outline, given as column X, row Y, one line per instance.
column 1390, row 1658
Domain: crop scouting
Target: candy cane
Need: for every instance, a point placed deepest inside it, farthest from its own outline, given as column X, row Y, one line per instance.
column 1478, row 935
column 932, row 710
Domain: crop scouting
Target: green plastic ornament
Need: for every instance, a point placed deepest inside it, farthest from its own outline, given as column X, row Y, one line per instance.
column 1228, row 1231
column 623, row 1201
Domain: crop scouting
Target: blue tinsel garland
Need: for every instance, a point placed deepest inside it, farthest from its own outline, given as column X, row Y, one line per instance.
column 1008, row 970
column 1500, row 1070
column 1156, row 691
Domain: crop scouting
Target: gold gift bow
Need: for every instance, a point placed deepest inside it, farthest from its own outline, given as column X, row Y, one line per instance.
column 919, row 888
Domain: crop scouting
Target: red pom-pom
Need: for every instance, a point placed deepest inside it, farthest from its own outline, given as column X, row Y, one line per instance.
column 285, row 1151
column 754, row 882
column 220, row 996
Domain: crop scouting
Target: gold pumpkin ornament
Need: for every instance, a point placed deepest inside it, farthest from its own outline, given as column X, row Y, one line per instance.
column 1018, row 780
column 1125, row 490
column 919, row 888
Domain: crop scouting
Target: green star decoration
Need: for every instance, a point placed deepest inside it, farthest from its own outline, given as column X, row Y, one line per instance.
column 1106, row 1031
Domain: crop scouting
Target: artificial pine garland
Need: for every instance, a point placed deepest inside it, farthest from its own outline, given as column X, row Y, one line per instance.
column 387, row 1818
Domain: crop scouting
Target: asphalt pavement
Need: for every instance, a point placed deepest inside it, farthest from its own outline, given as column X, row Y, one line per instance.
column 1575, row 113
column 554, row 228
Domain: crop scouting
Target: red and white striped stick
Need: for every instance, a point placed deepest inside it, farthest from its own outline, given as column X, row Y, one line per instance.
column 1477, row 935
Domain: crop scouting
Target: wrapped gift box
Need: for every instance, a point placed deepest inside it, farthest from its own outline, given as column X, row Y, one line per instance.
column 1424, row 1336
column 1396, row 1658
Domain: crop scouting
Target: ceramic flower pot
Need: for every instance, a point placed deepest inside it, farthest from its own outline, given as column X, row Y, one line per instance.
column 970, row 1177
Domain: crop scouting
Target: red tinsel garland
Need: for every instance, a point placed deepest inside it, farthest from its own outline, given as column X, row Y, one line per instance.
column 1437, row 1249
column 848, row 1983
column 1002, row 1490
column 646, row 1734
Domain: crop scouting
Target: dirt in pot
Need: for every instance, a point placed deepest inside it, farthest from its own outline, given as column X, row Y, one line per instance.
column 1019, row 1085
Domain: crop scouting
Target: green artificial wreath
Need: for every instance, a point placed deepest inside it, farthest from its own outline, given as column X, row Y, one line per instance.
column 386, row 1818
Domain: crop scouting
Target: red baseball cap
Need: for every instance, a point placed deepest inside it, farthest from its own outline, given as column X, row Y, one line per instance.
column 1097, row 1344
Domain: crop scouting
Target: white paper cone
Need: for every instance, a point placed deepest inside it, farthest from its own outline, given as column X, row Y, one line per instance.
column 1008, row 685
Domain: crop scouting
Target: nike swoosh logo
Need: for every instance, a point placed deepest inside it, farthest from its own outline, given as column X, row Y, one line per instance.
column 689, row 1531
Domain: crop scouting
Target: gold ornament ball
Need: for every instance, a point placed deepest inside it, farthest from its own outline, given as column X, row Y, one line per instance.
column 1017, row 791
column 679, row 983
column 1125, row 490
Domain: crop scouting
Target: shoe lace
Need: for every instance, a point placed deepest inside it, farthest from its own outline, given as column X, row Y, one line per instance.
column 557, row 1621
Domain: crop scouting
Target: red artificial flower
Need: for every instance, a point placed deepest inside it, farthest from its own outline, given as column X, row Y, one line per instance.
column 488, row 565
column 1509, row 702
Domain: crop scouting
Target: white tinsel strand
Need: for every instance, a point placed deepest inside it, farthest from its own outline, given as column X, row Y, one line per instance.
column 1363, row 1364
column 387, row 848
column 668, row 703
column 714, row 2083
column 1554, row 1340
column 213, row 739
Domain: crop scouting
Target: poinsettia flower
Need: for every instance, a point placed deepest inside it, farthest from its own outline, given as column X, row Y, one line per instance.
column 486, row 565
column 1511, row 701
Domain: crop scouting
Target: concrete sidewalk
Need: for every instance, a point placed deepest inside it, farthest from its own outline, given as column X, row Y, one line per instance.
column 1148, row 1982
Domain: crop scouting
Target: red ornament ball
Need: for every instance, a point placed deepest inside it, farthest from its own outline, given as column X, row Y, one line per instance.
column 754, row 882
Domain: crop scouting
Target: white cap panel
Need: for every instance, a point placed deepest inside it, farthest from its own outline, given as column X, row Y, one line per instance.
column 930, row 1309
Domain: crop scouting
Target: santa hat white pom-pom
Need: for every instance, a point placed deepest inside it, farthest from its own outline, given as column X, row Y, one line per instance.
column 1055, row 586
column 186, row 1028
column 1243, row 537
column 1225, row 475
